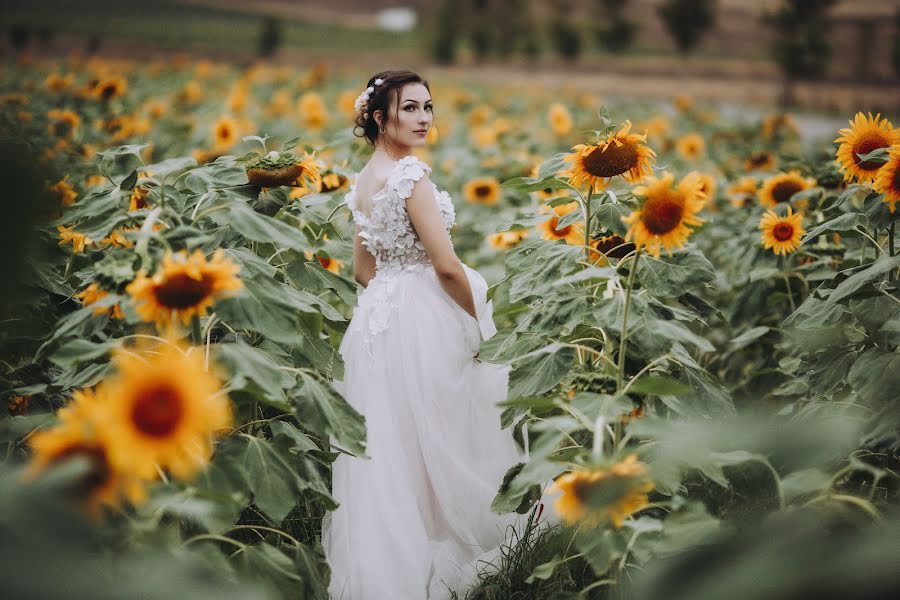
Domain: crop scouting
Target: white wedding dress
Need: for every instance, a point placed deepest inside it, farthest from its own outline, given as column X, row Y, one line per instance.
column 414, row 519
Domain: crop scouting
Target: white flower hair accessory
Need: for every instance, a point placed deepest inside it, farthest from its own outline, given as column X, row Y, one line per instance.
column 363, row 99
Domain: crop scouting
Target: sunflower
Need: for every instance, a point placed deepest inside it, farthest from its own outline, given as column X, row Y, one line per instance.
column 691, row 146
column 504, row 240
column 609, row 246
column 780, row 188
column 225, row 133
column 622, row 153
column 664, row 216
column 781, row 234
column 110, row 88
column 346, row 103
column 68, row 235
column 183, row 286
column 334, row 182
column 328, row 263
column 164, row 408
column 138, row 199
column 592, row 497
column 93, row 294
column 743, row 192
column 683, row 102
column 63, row 123
column 482, row 190
column 191, row 93
column 560, row 119
column 708, row 186
column 760, row 161
column 59, row 83
column 64, row 191
column 656, row 126
column 81, row 433
column 888, row 180
column 780, row 125
column 312, row 110
column 550, row 230
column 864, row 136
column 479, row 115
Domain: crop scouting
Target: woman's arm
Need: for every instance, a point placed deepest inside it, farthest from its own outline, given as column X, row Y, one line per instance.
column 363, row 261
column 426, row 219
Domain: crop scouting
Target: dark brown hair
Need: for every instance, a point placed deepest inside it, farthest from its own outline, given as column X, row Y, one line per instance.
column 392, row 84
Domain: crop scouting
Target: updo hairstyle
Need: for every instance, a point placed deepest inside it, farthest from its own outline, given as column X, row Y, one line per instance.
column 392, row 85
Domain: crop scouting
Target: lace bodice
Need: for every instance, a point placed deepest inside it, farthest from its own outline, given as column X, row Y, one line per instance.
column 387, row 231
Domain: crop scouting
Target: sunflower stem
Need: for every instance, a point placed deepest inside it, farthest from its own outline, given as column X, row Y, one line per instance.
column 891, row 251
column 623, row 341
column 787, row 282
column 196, row 336
column 587, row 225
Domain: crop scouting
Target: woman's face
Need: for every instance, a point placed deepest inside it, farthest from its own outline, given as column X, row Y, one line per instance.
column 410, row 120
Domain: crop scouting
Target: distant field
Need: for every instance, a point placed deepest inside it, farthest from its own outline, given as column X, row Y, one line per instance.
column 174, row 24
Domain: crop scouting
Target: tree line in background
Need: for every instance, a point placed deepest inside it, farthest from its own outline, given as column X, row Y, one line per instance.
column 501, row 28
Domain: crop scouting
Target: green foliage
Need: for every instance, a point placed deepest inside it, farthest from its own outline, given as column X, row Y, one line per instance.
column 687, row 21
column 801, row 45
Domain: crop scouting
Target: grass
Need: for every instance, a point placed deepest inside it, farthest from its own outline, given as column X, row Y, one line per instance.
column 171, row 24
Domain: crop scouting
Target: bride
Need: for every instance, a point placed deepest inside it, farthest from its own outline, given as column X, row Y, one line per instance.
column 414, row 519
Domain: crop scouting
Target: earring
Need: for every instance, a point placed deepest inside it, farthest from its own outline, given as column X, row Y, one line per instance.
column 382, row 129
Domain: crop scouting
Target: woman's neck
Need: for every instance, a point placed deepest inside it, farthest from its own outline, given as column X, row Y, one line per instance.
column 394, row 152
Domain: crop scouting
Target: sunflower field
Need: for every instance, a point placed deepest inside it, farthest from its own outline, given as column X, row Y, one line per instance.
column 702, row 314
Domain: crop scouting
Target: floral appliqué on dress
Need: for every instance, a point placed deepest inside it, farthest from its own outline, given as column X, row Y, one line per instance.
column 388, row 235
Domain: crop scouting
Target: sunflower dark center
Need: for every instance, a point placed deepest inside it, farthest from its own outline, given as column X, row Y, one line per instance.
column 61, row 128
column 866, row 145
column 157, row 411
column 325, row 262
column 98, row 474
column 760, row 159
column 561, row 232
column 614, row 246
column 896, row 184
column 181, row 291
column 108, row 91
column 783, row 191
column 661, row 214
column 783, row 231
column 483, row 191
column 613, row 161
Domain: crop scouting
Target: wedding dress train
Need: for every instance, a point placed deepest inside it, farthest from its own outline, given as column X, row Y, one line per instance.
column 414, row 519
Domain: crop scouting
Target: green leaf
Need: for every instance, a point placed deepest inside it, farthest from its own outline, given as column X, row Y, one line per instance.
column 610, row 215
column 540, row 370
column 119, row 163
column 876, row 375
column 672, row 276
column 545, row 570
column 850, row 285
column 803, row 483
column 748, row 337
column 323, row 409
column 536, row 264
column 658, row 385
column 845, row 222
column 257, row 227
column 534, row 184
column 249, row 364
column 673, row 330
column 79, row 350
column 170, row 166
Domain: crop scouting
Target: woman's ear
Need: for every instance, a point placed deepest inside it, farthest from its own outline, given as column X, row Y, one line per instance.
column 377, row 116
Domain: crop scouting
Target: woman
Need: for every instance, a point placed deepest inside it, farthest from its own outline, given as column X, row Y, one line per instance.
column 414, row 519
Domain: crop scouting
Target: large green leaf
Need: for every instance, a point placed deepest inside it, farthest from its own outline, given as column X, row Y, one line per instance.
column 540, row 370
column 672, row 276
column 249, row 364
column 237, row 214
column 537, row 264
column 322, row 409
column 850, row 285
column 876, row 375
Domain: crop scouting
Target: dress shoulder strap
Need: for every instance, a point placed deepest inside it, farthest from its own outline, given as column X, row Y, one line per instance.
column 406, row 173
